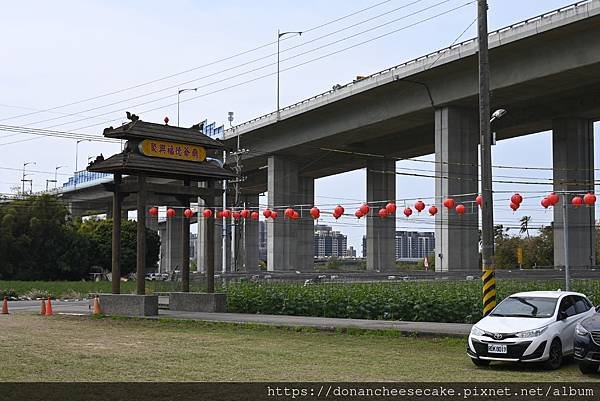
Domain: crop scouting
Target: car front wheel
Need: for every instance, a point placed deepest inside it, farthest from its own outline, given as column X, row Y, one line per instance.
column 480, row 362
column 587, row 367
column 555, row 355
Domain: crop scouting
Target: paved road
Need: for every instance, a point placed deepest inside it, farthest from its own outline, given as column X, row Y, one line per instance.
column 320, row 323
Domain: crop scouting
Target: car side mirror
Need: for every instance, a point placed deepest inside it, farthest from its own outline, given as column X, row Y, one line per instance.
column 562, row 315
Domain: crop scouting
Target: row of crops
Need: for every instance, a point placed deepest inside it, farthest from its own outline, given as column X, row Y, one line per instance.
column 456, row 302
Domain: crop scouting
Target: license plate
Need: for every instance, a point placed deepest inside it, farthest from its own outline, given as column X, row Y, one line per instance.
column 497, row 348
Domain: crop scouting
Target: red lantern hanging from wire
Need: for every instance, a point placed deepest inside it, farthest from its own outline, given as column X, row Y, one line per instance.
column 420, row 206
column 589, row 199
column 433, row 210
column 227, row 213
column 289, row 213
column 267, row 213
column 577, row 201
column 449, row 203
column 545, row 203
column 514, row 206
column 254, row 215
column 358, row 213
column 390, row 208
column 479, row 200
column 315, row 213
column 460, row 209
column 219, row 214
column 338, row 211
column 245, row 213
column 407, row 211
column 274, row 214
column 553, row 198
column 188, row 213
column 516, row 199
column 383, row 213
column 236, row 215
column 207, row 213
column 171, row 212
column 153, row 211
column 364, row 209
column 295, row 215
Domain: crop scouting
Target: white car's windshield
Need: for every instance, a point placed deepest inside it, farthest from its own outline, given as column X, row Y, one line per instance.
column 525, row 307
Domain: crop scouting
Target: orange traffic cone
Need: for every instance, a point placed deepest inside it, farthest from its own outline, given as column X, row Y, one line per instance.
column 97, row 309
column 43, row 308
column 49, row 308
column 4, row 307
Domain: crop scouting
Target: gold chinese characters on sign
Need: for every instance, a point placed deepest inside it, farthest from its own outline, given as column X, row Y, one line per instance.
column 172, row 150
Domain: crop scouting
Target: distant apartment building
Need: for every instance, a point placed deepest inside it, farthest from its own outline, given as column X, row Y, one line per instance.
column 410, row 245
column 329, row 243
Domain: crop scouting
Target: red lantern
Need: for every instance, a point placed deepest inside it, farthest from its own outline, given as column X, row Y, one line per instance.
column 254, row 215
column 166, row 120
column 364, row 209
column 220, row 214
column 433, row 210
column 589, row 199
column 153, row 211
column 296, row 215
column 577, row 201
column 460, row 209
column 407, row 212
column 420, row 206
column 289, row 213
column 338, row 211
column 207, row 213
column 274, row 214
column 449, row 203
column 227, row 213
column 553, row 199
column 171, row 212
column 391, row 208
column 514, row 206
column 516, row 199
column 245, row 213
column 383, row 213
column 315, row 213
column 267, row 213
column 545, row 203
column 358, row 213
column 479, row 200
column 236, row 215
column 188, row 213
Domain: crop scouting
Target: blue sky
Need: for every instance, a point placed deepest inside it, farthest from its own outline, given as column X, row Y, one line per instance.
column 60, row 52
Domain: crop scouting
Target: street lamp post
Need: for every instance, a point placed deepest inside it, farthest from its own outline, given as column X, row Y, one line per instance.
column 56, row 174
column 279, row 36
column 77, row 160
column 23, row 179
column 179, row 92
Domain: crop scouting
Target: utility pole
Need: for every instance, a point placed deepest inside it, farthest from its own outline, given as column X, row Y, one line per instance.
column 487, row 211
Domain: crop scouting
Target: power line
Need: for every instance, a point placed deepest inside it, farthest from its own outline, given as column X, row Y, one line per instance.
column 195, row 68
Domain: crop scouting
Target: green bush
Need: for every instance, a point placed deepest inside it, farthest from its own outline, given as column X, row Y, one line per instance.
column 453, row 302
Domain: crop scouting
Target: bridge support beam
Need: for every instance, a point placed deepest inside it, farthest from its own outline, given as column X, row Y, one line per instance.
column 456, row 144
column 573, row 162
column 248, row 239
column 381, row 233
column 290, row 244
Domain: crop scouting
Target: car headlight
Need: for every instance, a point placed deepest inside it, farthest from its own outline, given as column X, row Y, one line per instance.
column 477, row 331
column 580, row 330
column 531, row 333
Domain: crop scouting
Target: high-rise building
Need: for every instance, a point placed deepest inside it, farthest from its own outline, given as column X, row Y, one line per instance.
column 410, row 245
column 329, row 243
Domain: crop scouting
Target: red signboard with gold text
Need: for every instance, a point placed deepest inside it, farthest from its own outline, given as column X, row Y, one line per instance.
column 172, row 150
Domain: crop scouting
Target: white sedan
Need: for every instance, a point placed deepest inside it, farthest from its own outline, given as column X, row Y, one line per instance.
column 536, row 326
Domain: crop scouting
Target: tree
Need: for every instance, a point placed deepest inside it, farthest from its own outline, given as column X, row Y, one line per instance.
column 525, row 220
column 100, row 234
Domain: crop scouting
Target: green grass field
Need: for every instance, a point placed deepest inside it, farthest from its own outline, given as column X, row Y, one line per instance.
column 86, row 349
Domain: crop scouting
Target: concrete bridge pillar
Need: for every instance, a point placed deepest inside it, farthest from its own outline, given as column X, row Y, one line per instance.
column 248, row 239
column 289, row 243
column 573, row 162
column 173, row 238
column 201, row 251
column 456, row 146
column 381, row 233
